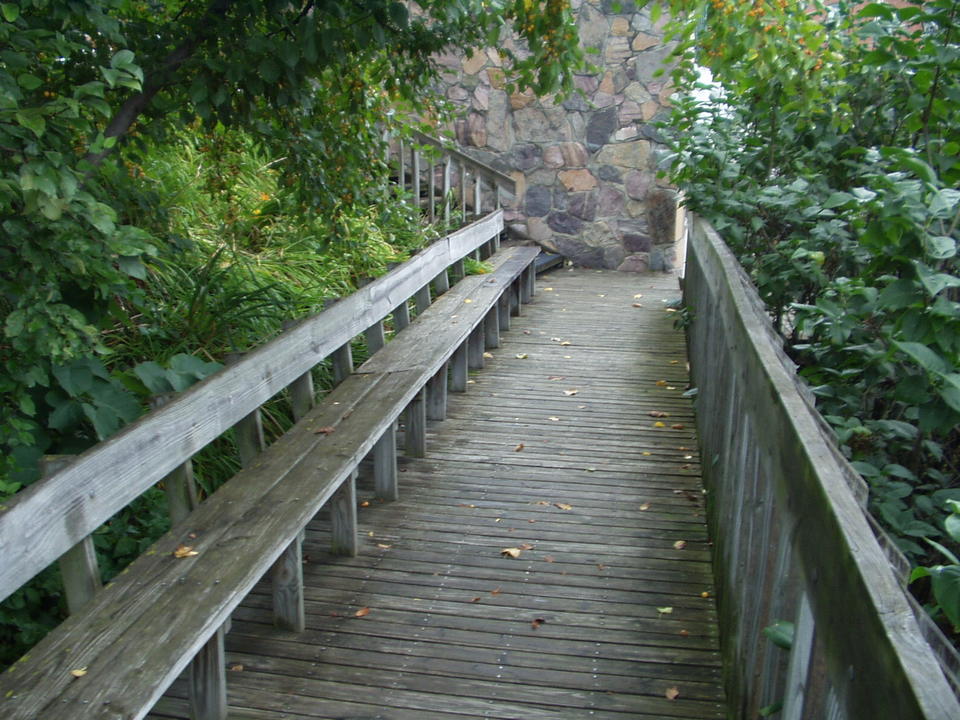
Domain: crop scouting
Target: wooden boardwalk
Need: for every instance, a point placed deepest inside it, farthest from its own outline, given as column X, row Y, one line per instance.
column 606, row 612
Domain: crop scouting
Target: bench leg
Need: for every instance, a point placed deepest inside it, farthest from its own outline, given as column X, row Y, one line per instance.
column 343, row 518
column 503, row 310
column 208, row 681
column 287, row 576
column 527, row 284
column 437, row 395
column 416, row 426
column 458, row 369
column 458, row 271
column 441, row 283
column 385, row 465
column 475, row 348
column 375, row 337
column 342, row 363
column 422, row 299
column 491, row 328
column 515, row 299
column 401, row 316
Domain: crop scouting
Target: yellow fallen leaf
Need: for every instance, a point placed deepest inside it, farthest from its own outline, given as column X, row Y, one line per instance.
column 680, row 544
column 79, row 672
column 548, row 289
column 488, row 355
column 645, row 506
column 237, row 667
column 705, row 594
column 565, row 342
column 521, row 356
column 511, row 552
column 518, row 448
column 646, row 452
column 638, row 296
column 564, row 506
column 569, row 393
column 661, row 383
column 384, row 546
column 567, row 357
column 553, row 418
column 362, row 612
column 184, row 551
column 674, row 362
column 671, row 309
column 672, row 693
column 468, row 300
column 665, row 610
column 671, row 387
column 659, row 424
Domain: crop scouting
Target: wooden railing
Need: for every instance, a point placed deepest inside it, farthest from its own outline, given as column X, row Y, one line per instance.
column 418, row 164
column 168, row 610
column 792, row 540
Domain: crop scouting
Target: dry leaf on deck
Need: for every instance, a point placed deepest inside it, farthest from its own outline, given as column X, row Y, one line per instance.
column 678, row 426
column 365, row 503
column 672, row 693
column 646, row 452
column 645, row 506
column 680, row 544
column 658, row 423
column 511, row 552
column 554, row 418
column 79, row 672
column 488, row 355
column 519, row 447
column 660, row 383
column 236, row 668
column 325, row 430
column 522, row 356
column 637, row 305
column 570, row 393
column 638, row 296
column 563, row 506
column 665, row 610
column 549, row 558
column 184, row 551
column 556, row 377
column 362, row 612
column 565, row 343
column 384, row 546
column 658, row 414
column 537, row 622
column 497, row 591
column 526, row 546
column 685, row 633
column 475, row 600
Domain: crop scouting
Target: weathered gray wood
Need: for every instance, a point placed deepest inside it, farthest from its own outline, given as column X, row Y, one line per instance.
column 459, row 368
column 415, row 426
column 421, row 299
column 503, row 312
column 375, row 337
column 432, row 191
column 441, row 283
column 446, row 190
column 529, row 284
column 475, row 344
column 458, row 270
column 863, row 619
column 799, row 669
column 287, row 582
column 495, row 177
column 477, row 193
column 343, row 518
column 437, row 395
column 463, row 192
column 179, row 485
column 208, row 681
column 515, row 298
column 401, row 316
column 402, row 160
column 248, row 431
column 491, row 328
column 302, row 395
column 79, row 569
column 385, row 466
column 416, row 176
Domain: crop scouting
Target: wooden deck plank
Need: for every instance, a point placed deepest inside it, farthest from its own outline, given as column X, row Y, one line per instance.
column 609, row 604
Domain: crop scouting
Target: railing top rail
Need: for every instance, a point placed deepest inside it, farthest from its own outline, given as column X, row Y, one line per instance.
column 860, row 607
column 46, row 519
column 482, row 169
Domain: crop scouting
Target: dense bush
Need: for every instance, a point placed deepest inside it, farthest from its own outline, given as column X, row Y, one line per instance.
column 827, row 157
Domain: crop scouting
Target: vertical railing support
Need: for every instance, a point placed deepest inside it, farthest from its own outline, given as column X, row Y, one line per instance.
column 249, row 430
column 459, row 368
column 437, row 395
column 208, row 681
column 491, row 328
column 179, row 485
column 475, row 348
column 342, row 357
column 415, row 435
column 385, row 465
column 343, row 518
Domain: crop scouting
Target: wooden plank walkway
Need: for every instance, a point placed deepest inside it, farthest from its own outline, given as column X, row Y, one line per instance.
column 607, row 612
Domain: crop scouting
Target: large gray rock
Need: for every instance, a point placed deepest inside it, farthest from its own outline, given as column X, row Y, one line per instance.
column 610, row 201
column 634, row 235
column 499, row 128
column 600, row 127
column 564, row 223
column 609, row 173
column 582, row 205
column 538, row 200
column 524, row 156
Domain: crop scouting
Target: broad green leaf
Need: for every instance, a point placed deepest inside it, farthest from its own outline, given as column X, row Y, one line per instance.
column 940, row 247
column 924, row 356
column 132, row 266
column 28, row 81
column 32, row 120
column 154, row 376
column 781, row 634
column 76, row 378
column 837, row 199
column 10, row 11
column 122, row 58
column 900, row 294
column 945, row 580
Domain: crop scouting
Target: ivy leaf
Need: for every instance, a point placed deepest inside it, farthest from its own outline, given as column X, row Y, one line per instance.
column 925, row 357
column 945, row 582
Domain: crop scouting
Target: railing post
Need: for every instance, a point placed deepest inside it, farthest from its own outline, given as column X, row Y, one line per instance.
column 401, row 154
column 78, row 565
column 401, row 316
column 491, row 328
column 799, row 667
column 342, row 356
column 208, row 681
column 527, row 280
column 385, row 465
column 459, row 368
column 432, row 191
column 437, row 395
column 515, row 297
column 415, row 435
column 343, row 518
column 503, row 310
column 463, row 193
column 477, row 194
column 374, row 334
column 422, row 299
column 441, row 283
column 416, row 177
column 475, row 347
column 302, row 394
column 447, row 161
column 249, row 430
column 179, row 485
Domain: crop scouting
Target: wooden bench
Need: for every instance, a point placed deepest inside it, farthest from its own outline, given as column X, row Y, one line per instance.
column 116, row 657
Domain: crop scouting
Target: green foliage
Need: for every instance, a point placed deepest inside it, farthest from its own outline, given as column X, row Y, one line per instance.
column 827, row 157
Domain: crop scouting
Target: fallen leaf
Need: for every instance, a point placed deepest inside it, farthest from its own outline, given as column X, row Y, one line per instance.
column 384, row 546
column 488, row 355
column 683, row 447
column 556, row 377
column 637, row 305
column 569, row 393
column 565, row 343
column 548, row 289
column 601, row 566
column 590, row 469
column 670, row 387
column 549, row 558
column 466, row 505
column 671, row 309
column 496, row 592
column 521, row 356
column 236, row 668
column 519, row 447
column 638, row 296
column 568, row 357
column 468, row 300
column 674, row 362
column 365, row 503
column 192, row 536
column 476, row 599
column 326, row 430
column 554, row 418
column 646, row 452
column 705, row 594
column 658, row 414
column 555, row 339
column 678, row 426
column 526, row 546
column 680, row 544
column 79, row 672
column 564, row 506
column 541, row 502
column 688, row 457
column 685, row 633
column 499, row 520
column 660, row 383
column 526, row 332
column 184, row 551
column 672, row 693
column 531, row 520
column 665, row 610
column 511, row 552
column 645, row 506
column 537, row 622
column 370, row 533
column 659, row 424
column 362, row 612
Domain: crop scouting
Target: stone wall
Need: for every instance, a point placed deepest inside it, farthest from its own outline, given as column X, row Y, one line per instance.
column 585, row 168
